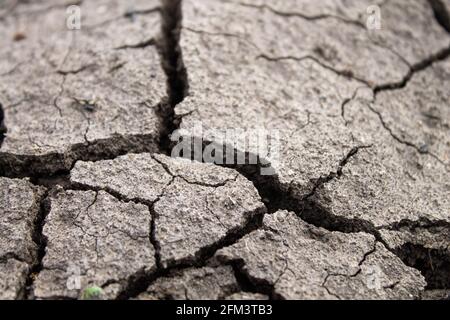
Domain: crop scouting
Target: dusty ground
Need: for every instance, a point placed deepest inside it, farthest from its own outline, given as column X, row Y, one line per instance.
column 357, row 202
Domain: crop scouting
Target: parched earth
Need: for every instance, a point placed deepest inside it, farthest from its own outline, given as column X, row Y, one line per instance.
column 350, row 199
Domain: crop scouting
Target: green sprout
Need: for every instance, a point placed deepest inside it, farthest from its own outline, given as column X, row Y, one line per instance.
column 92, row 293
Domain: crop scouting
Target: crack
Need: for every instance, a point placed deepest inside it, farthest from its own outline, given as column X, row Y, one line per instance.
column 417, row 67
column 135, row 281
column 14, row 68
column 394, row 52
column 212, row 213
column 347, row 101
column 252, row 284
column 223, row 34
column 434, row 264
column 54, row 164
column 142, row 280
column 421, row 150
column 344, row 73
column 117, row 67
column 411, row 225
column 275, row 196
column 333, row 175
column 324, row 285
column 364, row 259
column 171, row 53
column 11, row 256
column 60, row 163
column 153, row 238
column 171, row 57
column 139, row 45
column 76, row 71
column 360, row 263
column 41, row 243
column 441, row 14
column 232, row 236
column 301, row 15
column 59, row 95
column 3, row 129
column 198, row 183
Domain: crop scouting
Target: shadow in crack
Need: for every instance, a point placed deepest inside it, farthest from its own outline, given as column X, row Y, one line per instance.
column 441, row 13
column 3, row 129
column 434, row 264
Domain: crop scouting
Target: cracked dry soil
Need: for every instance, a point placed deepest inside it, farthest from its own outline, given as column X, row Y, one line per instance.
column 357, row 208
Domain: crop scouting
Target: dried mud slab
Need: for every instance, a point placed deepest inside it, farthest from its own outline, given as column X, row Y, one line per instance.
column 93, row 240
column 393, row 191
column 196, row 207
column 363, row 132
column 299, row 261
column 353, row 128
column 418, row 114
column 84, row 94
column 289, row 88
column 19, row 208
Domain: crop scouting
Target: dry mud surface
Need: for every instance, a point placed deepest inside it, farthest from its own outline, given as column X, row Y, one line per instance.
column 357, row 205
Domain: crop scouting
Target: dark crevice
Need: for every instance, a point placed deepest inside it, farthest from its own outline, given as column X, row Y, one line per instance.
column 11, row 256
column 250, row 284
column 422, row 223
column 154, row 239
column 172, row 63
column 172, row 56
column 434, row 264
column 41, row 242
column 51, row 164
column 441, row 13
column 51, row 181
column 3, row 129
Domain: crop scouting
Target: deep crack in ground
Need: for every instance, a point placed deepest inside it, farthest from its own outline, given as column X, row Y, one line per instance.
column 272, row 193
